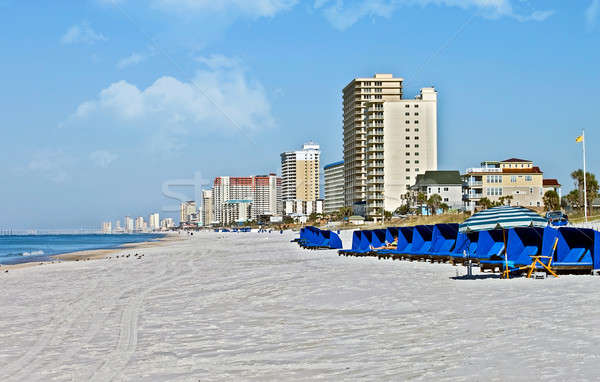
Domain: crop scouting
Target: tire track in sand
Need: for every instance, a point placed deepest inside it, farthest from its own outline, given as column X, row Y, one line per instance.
column 128, row 336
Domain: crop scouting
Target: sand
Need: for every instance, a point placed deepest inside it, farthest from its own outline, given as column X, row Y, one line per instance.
column 252, row 306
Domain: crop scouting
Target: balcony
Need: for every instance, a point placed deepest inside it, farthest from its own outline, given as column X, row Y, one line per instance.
column 475, row 183
column 483, row 169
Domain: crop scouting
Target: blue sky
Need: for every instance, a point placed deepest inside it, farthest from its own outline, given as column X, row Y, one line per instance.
column 106, row 101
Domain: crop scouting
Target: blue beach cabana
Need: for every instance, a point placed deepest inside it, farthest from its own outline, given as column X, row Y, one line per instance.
column 356, row 244
column 489, row 244
column 421, row 240
column 443, row 240
column 522, row 243
column 575, row 249
column 391, row 235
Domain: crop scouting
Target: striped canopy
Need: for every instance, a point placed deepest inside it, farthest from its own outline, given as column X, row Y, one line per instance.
column 502, row 217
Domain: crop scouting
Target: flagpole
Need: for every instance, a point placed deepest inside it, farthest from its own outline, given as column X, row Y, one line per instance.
column 584, row 180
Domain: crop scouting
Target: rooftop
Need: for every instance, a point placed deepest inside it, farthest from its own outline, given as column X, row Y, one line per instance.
column 516, row 160
column 334, row 164
column 551, row 182
column 438, row 177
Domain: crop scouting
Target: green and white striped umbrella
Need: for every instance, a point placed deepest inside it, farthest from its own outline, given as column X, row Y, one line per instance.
column 502, row 217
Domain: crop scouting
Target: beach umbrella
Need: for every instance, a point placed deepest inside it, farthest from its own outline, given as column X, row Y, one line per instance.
column 503, row 217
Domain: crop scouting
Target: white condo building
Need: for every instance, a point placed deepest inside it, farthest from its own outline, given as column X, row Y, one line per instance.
column 263, row 192
column 356, row 95
column 154, row 222
column 128, row 224
column 207, row 207
column 401, row 144
column 187, row 211
column 300, row 176
column 334, row 187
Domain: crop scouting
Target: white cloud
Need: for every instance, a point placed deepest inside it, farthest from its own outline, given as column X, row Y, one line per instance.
column 591, row 14
column 103, row 158
column 343, row 14
column 131, row 60
column 49, row 164
column 82, row 33
column 219, row 96
column 253, row 8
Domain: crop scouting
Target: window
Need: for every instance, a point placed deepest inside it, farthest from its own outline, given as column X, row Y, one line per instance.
column 531, row 190
column 407, row 137
column 407, row 113
column 416, row 154
column 417, row 130
column 407, row 121
column 416, row 170
column 416, row 122
column 407, row 169
column 445, row 188
column 407, row 105
column 366, row 97
column 378, row 96
column 416, row 146
column 439, row 190
column 408, row 178
column 528, row 178
column 407, row 130
column 446, row 199
column 513, row 179
column 416, row 162
column 494, row 191
column 429, row 190
column 416, row 114
column 416, row 138
column 378, row 83
column 407, row 162
column 416, row 105
column 377, row 90
column 407, row 154
column 367, row 90
column 407, row 146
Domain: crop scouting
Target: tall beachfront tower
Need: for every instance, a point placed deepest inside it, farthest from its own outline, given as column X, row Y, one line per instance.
column 300, row 174
column 401, row 144
column 186, row 209
column 334, row 187
column 207, row 207
column 360, row 91
column 261, row 192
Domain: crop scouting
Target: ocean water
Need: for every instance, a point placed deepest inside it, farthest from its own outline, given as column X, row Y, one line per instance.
column 16, row 249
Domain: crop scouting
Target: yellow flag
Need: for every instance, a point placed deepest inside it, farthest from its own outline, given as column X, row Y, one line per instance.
column 579, row 138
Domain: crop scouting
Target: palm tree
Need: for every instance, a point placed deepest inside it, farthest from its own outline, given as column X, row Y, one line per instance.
column 551, row 200
column 434, row 203
column 421, row 199
column 591, row 186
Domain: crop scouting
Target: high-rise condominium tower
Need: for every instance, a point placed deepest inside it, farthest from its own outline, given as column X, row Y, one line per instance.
column 360, row 91
column 207, row 207
column 300, row 173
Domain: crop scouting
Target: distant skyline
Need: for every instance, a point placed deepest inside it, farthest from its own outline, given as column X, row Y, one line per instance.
column 105, row 101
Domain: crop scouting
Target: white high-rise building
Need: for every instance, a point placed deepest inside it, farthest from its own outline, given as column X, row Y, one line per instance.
column 300, row 173
column 107, row 227
column 154, row 221
column 167, row 223
column 140, row 224
column 401, row 142
column 334, row 187
column 356, row 95
column 207, row 207
column 263, row 191
column 187, row 211
column 128, row 224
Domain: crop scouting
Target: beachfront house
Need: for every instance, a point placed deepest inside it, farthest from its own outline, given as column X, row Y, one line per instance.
column 447, row 184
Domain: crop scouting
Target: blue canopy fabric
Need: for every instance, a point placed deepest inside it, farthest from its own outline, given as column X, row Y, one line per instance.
column 421, row 243
column 378, row 238
column 505, row 217
column 405, row 237
column 575, row 247
column 391, row 235
column 522, row 243
column 489, row 243
column 443, row 238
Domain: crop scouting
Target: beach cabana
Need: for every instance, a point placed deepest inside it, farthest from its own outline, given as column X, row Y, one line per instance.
column 575, row 249
column 330, row 240
column 403, row 245
column 421, row 241
column 378, row 239
column 521, row 245
column 443, row 240
column 498, row 219
column 490, row 244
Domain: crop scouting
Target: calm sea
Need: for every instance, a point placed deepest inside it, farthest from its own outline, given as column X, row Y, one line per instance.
column 17, row 249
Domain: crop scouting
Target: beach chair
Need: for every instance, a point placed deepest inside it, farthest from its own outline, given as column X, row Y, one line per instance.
column 521, row 245
column 404, row 244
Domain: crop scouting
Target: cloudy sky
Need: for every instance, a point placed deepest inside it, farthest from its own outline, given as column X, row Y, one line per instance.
column 108, row 102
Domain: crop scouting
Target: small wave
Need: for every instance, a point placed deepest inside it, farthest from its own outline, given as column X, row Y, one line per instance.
column 17, row 254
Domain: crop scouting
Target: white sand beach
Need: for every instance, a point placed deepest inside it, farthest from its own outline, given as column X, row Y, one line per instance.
column 252, row 306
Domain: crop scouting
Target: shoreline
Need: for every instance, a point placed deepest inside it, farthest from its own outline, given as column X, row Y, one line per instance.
column 92, row 254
